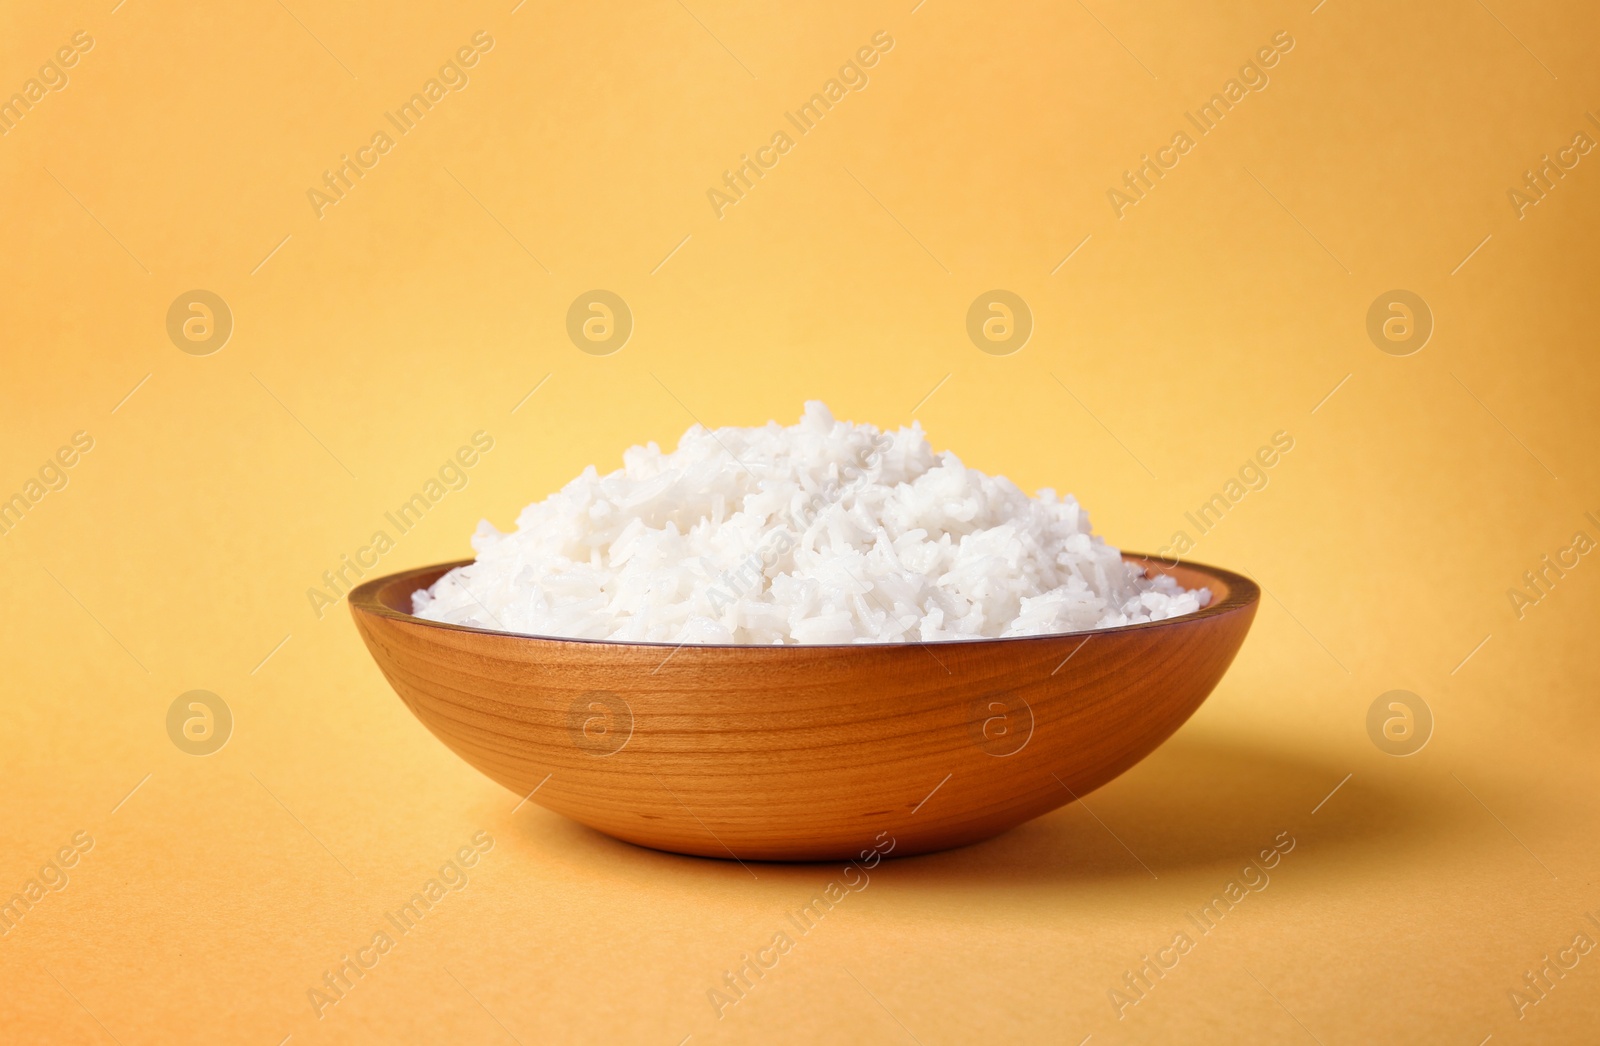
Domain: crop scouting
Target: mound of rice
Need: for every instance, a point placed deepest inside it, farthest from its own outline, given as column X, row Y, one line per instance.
column 819, row 532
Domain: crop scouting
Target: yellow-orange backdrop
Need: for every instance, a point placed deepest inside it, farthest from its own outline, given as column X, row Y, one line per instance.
column 1362, row 155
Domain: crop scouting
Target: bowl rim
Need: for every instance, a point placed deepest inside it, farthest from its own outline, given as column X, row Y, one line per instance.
column 1242, row 593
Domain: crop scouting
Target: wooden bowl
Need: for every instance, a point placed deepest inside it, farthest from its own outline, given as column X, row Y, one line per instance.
column 782, row 753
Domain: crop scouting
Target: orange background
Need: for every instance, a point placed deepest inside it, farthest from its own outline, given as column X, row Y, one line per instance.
column 1168, row 345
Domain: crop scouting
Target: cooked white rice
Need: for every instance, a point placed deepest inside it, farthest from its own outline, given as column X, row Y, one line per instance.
column 821, row 532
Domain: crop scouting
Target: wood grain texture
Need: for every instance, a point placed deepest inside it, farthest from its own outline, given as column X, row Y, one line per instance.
column 805, row 752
